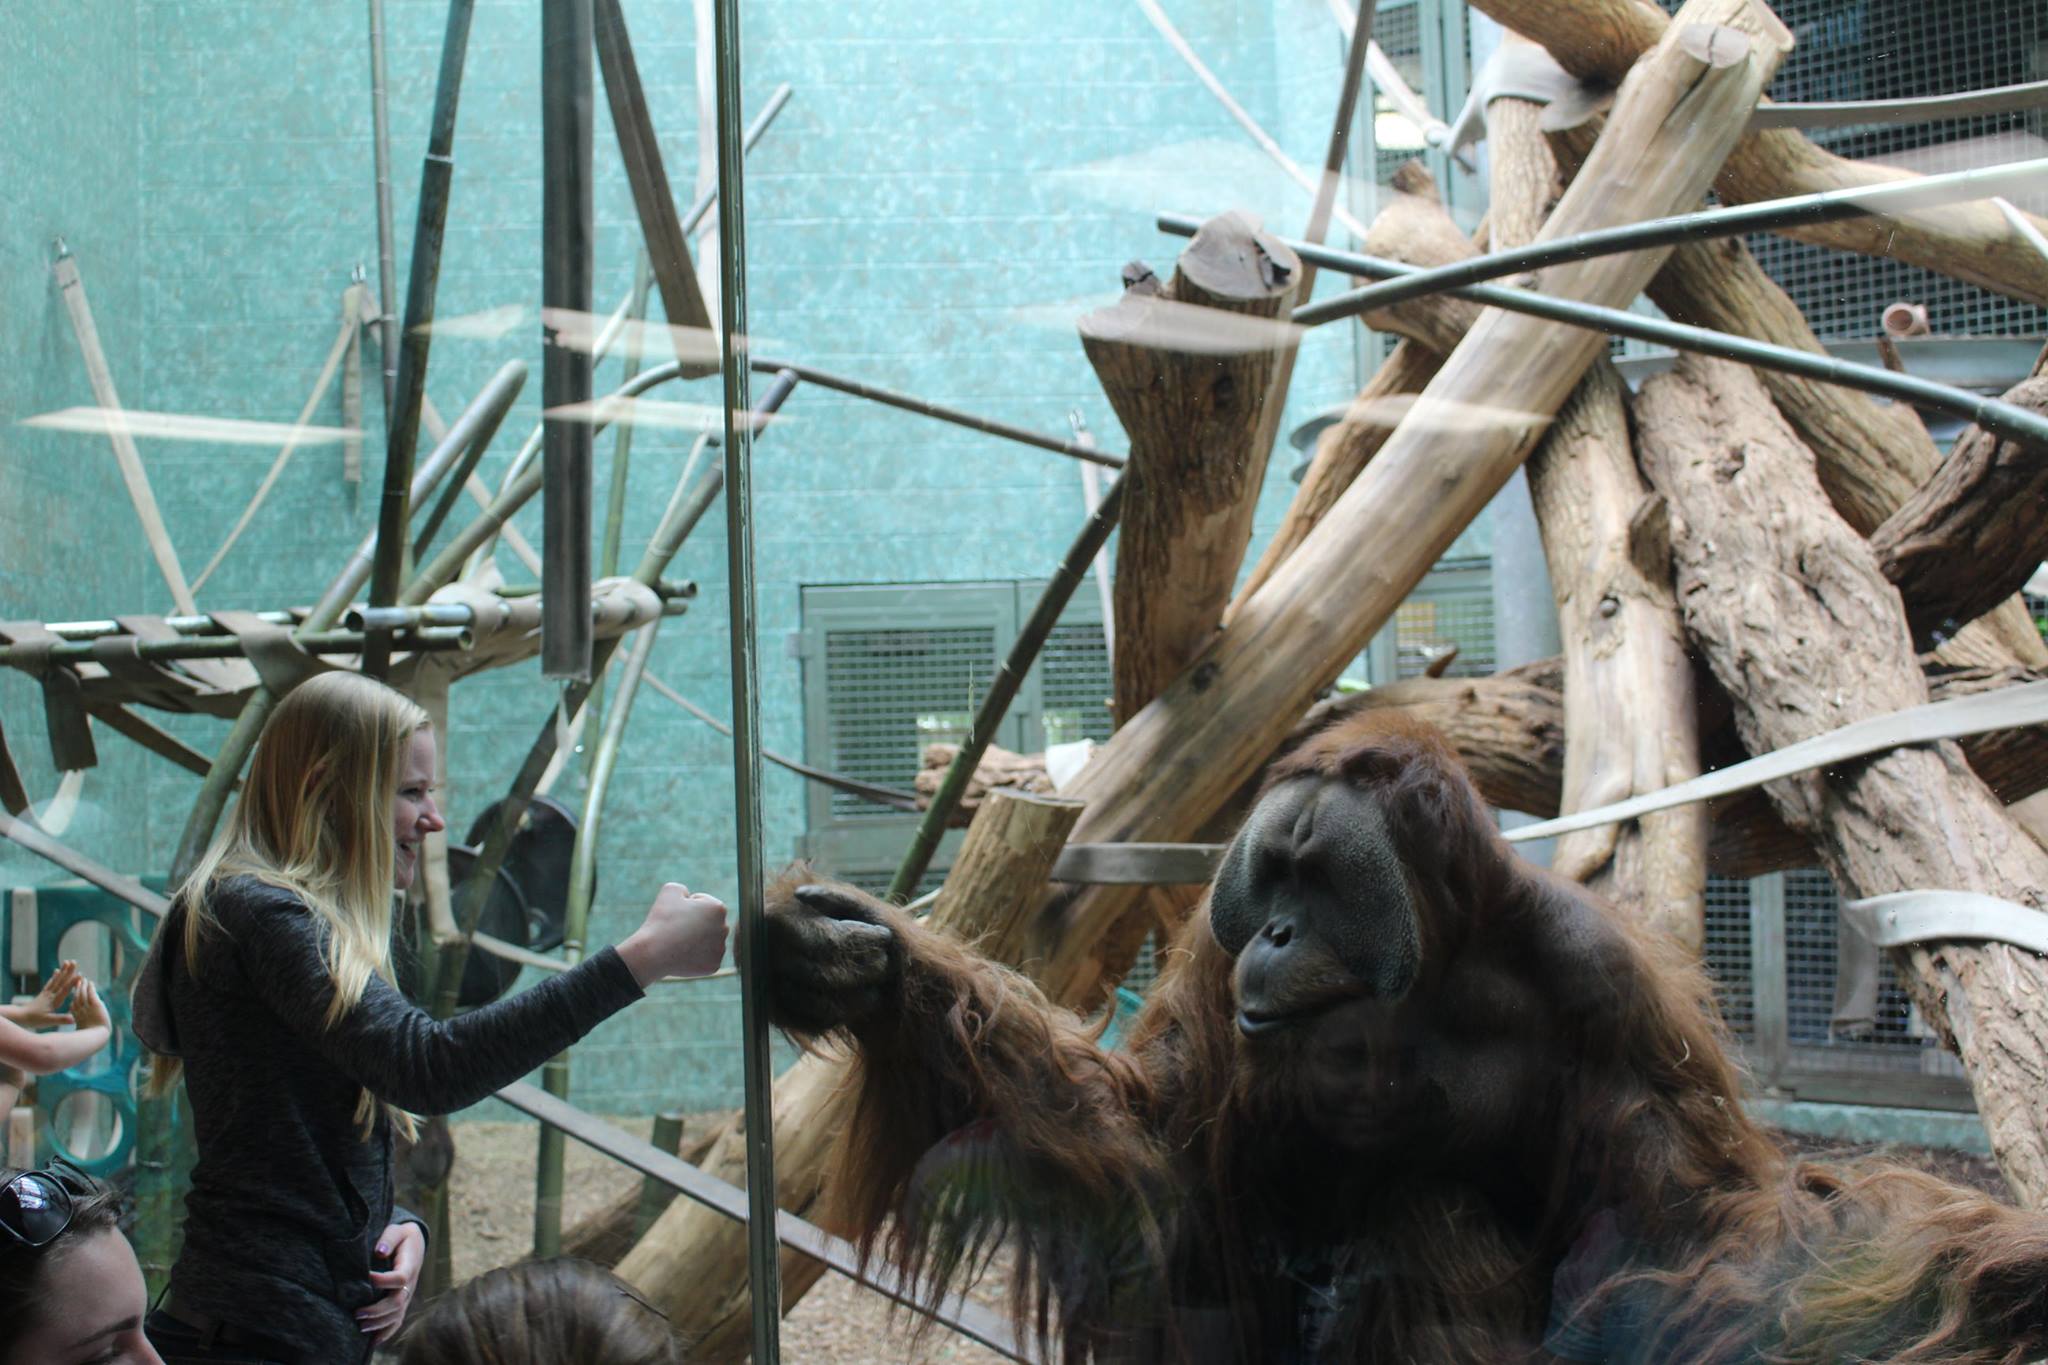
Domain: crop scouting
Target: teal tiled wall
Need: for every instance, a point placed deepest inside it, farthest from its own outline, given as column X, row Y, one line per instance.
column 950, row 185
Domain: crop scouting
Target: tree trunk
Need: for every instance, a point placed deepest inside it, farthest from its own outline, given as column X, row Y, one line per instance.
column 1872, row 456
column 1187, row 367
column 1630, row 719
column 1600, row 40
column 1169, row 768
column 1974, row 533
column 693, row 1262
column 1789, row 605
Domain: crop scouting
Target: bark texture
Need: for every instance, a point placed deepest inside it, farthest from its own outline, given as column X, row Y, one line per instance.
column 1802, row 630
column 1188, row 379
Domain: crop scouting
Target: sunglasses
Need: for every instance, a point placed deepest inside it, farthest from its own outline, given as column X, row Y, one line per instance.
column 37, row 1206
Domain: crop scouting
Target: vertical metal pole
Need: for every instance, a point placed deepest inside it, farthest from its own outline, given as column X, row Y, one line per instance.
column 387, row 254
column 1768, row 978
column 568, row 48
column 764, row 1265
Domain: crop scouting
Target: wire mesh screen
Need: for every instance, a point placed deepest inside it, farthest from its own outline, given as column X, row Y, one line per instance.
column 1398, row 31
column 891, row 692
column 1075, row 685
column 1728, row 954
column 1453, row 609
column 1898, row 49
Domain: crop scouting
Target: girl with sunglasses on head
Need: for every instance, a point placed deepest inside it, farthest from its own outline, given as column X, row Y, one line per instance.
column 270, row 984
column 70, row 1290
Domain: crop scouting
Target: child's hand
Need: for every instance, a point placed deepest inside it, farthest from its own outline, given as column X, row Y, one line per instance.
column 46, row 1010
column 89, row 1010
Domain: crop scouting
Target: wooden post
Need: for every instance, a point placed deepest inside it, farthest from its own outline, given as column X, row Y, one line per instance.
column 1630, row 719
column 1872, row 456
column 1172, row 766
column 1973, row 533
column 1346, row 448
column 1600, row 39
column 692, row 1262
column 1790, row 607
column 1188, row 366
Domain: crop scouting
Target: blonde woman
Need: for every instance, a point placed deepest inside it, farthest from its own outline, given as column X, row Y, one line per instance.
column 271, row 984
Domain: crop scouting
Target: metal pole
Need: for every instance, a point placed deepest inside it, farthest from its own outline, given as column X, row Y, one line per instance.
column 567, row 122
column 764, row 1262
column 437, row 172
column 1825, row 206
column 387, row 255
column 1994, row 415
column 228, row 646
column 875, row 393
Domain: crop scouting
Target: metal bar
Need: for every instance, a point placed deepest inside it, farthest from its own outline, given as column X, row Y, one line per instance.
column 567, row 242
column 1825, row 206
column 230, row 647
column 547, row 1204
column 437, row 171
column 1994, row 415
column 1003, row 688
column 825, row 379
column 963, row 1316
column 2001, row 99
column 184, row 625
column 668, row 247
column 490, row 407
column 764, row 1261
column 1767, row 974
column 387, row 254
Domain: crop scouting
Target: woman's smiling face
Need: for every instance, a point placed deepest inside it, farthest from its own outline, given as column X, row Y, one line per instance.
column 413, row 813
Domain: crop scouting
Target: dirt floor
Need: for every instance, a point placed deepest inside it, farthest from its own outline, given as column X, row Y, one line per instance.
column 838, row 1322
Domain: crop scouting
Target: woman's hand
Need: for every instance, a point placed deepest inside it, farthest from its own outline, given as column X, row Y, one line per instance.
column 683, row 935
column 407, row 1248
column 46, row 1009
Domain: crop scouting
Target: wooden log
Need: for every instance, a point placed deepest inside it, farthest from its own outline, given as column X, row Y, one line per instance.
column 997, row 768
column 1509, row 728
column 1189, row 382
column 1414, row 227
column 1171, row 767
column 1974, row 533
column 1599, row 40
column 1872, row 456
column 1630, row 718
column 693, row 1262
column 1347, row 446
column 1798, row 623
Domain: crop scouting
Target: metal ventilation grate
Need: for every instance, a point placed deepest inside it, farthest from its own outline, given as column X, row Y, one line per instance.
column 1728, row 954
column 891, row 692
column 1897, row 49
column 1076, row 686
column 1453, row 606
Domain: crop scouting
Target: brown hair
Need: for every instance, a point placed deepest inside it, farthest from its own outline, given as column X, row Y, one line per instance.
column 24, row 1271
column 555, row 1312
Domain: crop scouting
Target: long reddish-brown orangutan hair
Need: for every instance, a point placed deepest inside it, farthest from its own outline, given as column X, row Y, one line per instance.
column 1142, row 1189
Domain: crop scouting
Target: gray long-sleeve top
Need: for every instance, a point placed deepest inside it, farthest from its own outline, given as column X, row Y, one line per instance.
column 289, row 1195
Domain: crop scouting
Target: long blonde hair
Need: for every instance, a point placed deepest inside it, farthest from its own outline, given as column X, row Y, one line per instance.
column 314, row 819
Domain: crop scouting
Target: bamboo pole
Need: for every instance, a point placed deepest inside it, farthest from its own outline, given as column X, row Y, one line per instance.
column 387, row 254
column 568, row 118
column 547, row 1186
column 1002, row 689
column 493, row 403
column 437, row 173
